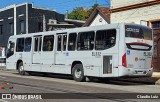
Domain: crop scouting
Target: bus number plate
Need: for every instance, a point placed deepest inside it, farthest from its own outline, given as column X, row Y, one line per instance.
column 147, row 54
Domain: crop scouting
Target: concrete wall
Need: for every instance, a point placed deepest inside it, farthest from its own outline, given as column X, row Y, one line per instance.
column 121, row 3
column 137, row 15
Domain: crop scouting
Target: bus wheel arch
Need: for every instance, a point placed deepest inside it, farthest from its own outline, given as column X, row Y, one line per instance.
column 78, row 71
column 20, row 67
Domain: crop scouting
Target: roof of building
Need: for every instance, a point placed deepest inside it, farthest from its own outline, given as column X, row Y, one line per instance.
column 78, row 23
column 103, row 11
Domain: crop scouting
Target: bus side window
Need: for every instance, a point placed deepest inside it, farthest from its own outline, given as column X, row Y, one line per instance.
column 105, row 39
column 72, row 41
column 20, row 45
column 64, row 42
column 37, row 44
column 27, row 44
column 86, row 40
column 10, row 50
column 59, row 42
column 48, row 42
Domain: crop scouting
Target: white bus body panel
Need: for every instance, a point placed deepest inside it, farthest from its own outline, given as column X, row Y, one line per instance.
column 92, row 61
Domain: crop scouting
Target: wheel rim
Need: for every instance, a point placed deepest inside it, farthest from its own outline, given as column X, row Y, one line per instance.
column 78, row 73
column 21, row 68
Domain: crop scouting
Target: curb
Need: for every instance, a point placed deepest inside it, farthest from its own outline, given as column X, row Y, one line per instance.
column 157, row 82
column 156, row 74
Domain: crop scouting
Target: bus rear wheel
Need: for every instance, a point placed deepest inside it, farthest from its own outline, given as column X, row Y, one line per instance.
column 78, row 73
column 21, row 68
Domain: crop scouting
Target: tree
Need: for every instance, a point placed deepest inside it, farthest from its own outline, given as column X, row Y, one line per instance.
column 80, row 14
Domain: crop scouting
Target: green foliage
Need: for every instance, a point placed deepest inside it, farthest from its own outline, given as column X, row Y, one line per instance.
column 80, row 14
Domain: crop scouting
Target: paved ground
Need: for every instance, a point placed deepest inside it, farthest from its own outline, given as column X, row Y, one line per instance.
column 65, row 84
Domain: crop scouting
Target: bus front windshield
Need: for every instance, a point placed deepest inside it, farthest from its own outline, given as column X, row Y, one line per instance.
column 140, row 32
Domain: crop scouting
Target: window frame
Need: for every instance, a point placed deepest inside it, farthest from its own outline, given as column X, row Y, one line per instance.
column 37, row 48
column 64, row 47
column 78, row 39
column 58, row 42
column 30, row 44
column 17, row 42
column 52, row 43
column 109, row 39
column 11, row 25
column 22, row 26
column 73, row 44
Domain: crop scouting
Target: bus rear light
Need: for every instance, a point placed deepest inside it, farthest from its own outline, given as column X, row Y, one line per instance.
column 124, row 61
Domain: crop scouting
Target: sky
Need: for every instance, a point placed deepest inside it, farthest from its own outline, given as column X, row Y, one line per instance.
column 58, row 5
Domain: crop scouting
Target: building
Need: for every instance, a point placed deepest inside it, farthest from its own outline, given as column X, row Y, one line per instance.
column 24, row 18
column 100, row 16
column 145, row 12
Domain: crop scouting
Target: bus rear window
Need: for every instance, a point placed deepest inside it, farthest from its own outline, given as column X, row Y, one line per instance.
column 141, row 32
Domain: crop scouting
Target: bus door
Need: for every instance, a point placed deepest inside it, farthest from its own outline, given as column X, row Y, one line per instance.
column 60, row 57
column 48, row 51
column 36, row 60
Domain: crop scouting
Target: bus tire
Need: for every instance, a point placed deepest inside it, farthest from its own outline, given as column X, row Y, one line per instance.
column 78, row 73
column 21, row 68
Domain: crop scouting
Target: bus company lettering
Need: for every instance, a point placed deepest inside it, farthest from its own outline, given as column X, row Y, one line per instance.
column 96, row 54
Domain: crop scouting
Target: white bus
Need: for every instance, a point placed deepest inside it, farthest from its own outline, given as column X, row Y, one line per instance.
column 113, row 50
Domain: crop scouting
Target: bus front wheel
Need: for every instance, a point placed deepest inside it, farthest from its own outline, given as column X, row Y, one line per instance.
column 78, row 73
column 21, row 68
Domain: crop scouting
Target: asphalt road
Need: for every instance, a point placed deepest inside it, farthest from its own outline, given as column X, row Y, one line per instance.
column 62, row 88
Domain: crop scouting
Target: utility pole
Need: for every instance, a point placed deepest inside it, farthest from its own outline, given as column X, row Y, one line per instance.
column 66, row 16
column 44, row 23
